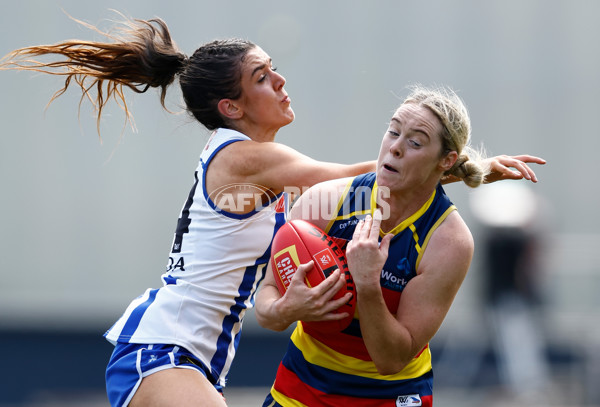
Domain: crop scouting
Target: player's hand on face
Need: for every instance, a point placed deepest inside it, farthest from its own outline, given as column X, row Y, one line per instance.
column 365, row 255
column 512, row 167
column 315, row 303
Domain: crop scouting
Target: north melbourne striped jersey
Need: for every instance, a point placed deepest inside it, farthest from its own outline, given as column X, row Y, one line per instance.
column 217, row 260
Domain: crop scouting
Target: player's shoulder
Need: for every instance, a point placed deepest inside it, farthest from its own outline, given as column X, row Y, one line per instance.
column 318, row 202
column 449, row 250
column 454, row 233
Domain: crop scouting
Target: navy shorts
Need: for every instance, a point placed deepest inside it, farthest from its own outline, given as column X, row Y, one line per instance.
column 130, row 362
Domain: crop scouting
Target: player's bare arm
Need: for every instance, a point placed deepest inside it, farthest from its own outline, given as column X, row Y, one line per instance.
column 393, row 341
column 301, row 302
column 505, row 167
column 277, row 166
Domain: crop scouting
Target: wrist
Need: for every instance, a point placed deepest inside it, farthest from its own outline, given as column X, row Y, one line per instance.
column 368, row 289
column 281, row 315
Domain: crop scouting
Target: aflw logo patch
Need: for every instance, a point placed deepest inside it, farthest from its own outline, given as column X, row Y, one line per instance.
column 408, row 400
column 325, row 259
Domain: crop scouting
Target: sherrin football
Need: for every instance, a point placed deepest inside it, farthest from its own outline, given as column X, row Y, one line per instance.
column 297, row 242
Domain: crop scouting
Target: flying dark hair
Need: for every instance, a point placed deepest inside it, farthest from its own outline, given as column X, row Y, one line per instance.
column 142, row 55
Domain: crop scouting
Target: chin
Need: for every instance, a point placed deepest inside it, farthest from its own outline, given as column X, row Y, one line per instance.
column 388, row 180
column 291, row 115
column 383, row 181
column 383, row 174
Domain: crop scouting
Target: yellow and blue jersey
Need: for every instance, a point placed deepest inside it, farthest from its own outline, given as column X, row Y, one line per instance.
column 335, row 369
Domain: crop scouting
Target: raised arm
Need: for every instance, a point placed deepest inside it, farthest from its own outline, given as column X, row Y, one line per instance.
column 394, row 340
column 504, row 167
column 500, row 167
column 278, row 167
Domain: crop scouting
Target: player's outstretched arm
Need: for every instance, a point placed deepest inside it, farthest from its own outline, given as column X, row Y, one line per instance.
column 512, row 167
column 505, row 167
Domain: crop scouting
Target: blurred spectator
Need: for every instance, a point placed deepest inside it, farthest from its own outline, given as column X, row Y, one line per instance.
column 510, row 246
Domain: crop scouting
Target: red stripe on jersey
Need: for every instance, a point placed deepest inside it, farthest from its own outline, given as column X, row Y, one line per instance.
column 305, row 394
column 301, row 391
column 345, row 344
column 427, row 401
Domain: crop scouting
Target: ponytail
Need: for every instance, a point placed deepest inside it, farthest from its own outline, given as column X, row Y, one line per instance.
column 471, row 171
column 145, row 56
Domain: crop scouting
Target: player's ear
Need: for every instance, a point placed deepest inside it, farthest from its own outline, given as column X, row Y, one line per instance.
column 230, row 109
column 448, row 160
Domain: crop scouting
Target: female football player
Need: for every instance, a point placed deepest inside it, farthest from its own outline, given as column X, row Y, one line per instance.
column 174, row 345
column 408, row 252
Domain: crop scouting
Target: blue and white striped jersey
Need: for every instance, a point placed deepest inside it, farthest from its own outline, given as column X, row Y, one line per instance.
column 217, row 260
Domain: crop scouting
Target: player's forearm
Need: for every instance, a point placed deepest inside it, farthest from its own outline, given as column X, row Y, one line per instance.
column 389, row 344
column 267, row 311
column 361, row 168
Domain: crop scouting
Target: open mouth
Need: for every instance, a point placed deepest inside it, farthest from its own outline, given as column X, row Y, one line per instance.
column 389, row 168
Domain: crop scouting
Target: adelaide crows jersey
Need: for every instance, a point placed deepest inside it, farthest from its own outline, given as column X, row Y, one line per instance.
column 335, row 369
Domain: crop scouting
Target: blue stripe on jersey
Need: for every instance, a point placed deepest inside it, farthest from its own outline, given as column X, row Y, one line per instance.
column 332, row 382
column 219, row 148
column 205, row 192
column 353, row 329
column 218, row 360
column 272, row 198
column 280, row 220
column 135, row 317
column 245, row 291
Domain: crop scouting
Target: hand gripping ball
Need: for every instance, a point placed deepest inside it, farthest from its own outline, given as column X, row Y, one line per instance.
column 298, row 242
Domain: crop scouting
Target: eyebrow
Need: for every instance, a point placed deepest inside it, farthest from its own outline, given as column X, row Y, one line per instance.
column 260, row 68
column 394, row 119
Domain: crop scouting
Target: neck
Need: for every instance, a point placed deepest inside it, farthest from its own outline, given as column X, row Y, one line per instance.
column 402, row 205
column 256, row 133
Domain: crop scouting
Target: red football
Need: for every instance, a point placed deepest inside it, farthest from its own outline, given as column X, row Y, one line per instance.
column 298, row 242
